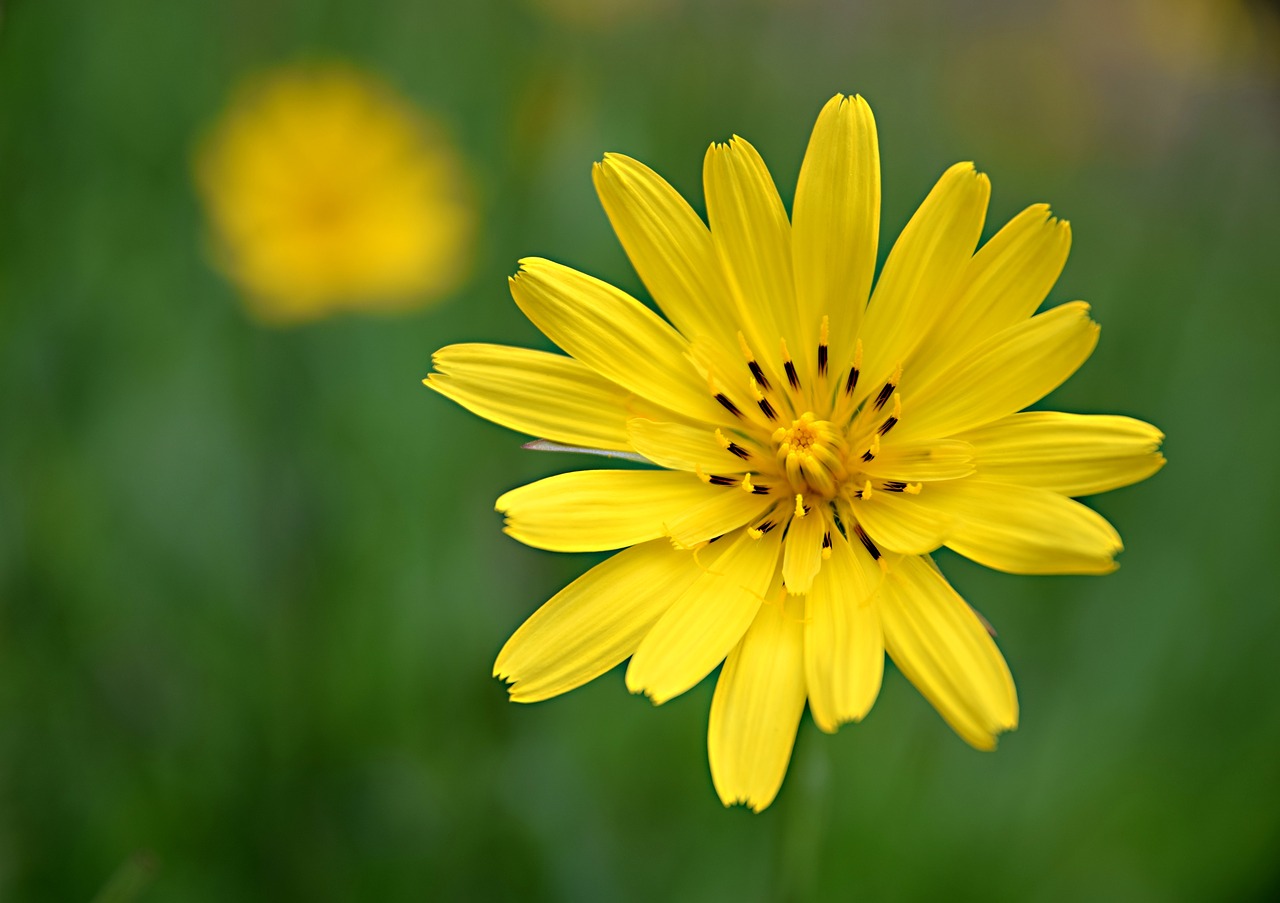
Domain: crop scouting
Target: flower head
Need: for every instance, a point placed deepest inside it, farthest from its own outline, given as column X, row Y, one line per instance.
column 818, row 440
column 327, row 191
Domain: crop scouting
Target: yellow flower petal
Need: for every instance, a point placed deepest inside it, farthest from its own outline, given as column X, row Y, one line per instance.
column 940, row 459
column 753, row 241
column 836, row 222
column 669, row 246
column 904, row 522
column 921, row 271
column 1023, row 530
column 613, row 334
column 937, row 641
column 731, row 507
column 549, row 396
column 682, row 446
column 802, row 551
column 1001, row 286
column 595, row 622
column 1074, row 454
column 595, row 510
column 757, row 706
column 706, row 620
column 1007, row 372
column 843, row 641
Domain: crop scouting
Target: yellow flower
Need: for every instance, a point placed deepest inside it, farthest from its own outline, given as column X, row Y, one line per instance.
column 326, row 191
column 817, row 447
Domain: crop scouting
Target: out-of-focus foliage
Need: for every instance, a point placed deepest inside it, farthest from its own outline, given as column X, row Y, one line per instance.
column 251, row 586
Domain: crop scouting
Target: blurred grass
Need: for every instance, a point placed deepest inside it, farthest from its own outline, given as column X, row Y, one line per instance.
column 251, row 586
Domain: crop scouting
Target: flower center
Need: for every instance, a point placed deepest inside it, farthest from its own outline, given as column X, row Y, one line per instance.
column 811, row 453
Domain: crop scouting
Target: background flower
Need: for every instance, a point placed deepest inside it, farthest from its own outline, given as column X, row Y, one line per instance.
column 248, row 602
column 325, row 190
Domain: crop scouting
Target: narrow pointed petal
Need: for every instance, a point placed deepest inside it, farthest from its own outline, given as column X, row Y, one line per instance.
column 941, row 646
column 613, row 334
column 940, row 459
column 595, row 622
column 802, row 551
column 669, row 246
column 757, row 706
column 1074, row 454
column 706, row 620
column 597, row 510
column 843, row 641
column 1004, row 374
column 1024, row 530
column 684, row 446
column 921, row 270
column 836, row 222
column 549, row 396
column 753, row 241
column 1004, row 284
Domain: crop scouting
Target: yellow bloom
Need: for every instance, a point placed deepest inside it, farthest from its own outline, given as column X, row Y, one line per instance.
column 817, row 446
column 326, row 191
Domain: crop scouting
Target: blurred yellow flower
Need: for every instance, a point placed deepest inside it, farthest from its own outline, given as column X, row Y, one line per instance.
column 326, row 191
column 816, row 445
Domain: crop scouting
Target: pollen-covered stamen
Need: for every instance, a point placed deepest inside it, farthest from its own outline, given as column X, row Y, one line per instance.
column 892, row 419
column 793, row 378
column 732, row 447
column 757, row 372
column 851, row 383
column 763, row 527
column 901, row 486
column 888, row 389
column 765, row 407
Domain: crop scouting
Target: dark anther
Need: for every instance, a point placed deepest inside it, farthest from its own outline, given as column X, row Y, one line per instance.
column 766, row 526
column 852, row 382
column 717, row 480
column 728, row 405
column 822, row 360
column 736, row 449
column 867, row 455
column 826, row 540
column 759, row 490
column 894, row 486
column 759, row 375
column 887, row 425
column 768, row 409
column 866, row 542
column 792, row 377
column 884, row 395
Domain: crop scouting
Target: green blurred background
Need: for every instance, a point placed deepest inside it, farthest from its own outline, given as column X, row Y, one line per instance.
column 251, row 585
